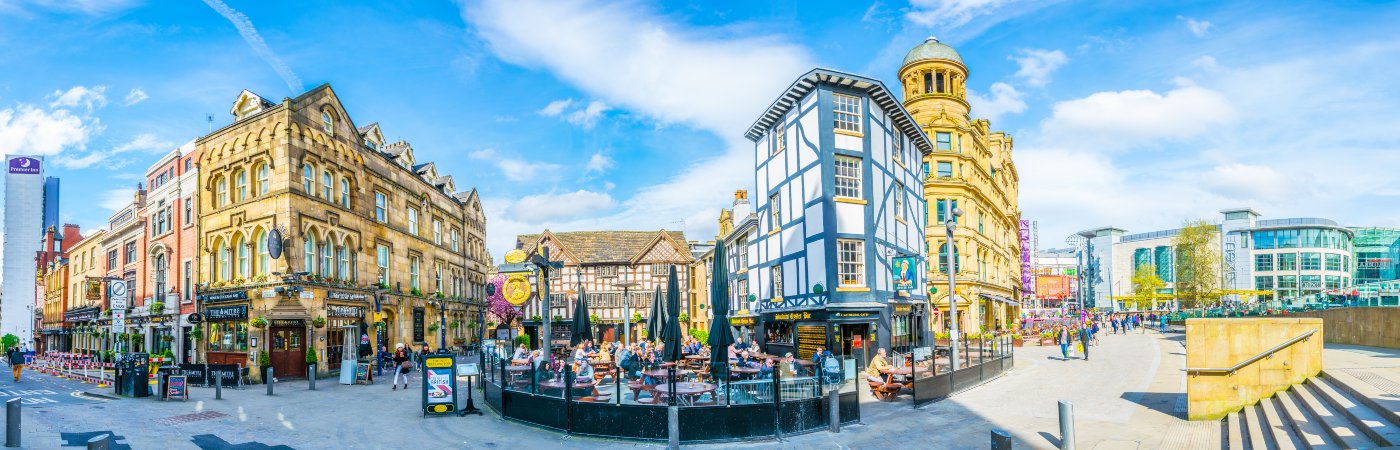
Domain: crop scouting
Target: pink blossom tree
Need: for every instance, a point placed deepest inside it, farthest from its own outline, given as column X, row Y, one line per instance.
column 501, row 310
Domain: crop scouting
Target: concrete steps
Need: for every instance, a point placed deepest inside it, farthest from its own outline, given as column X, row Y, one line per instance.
column 1324, row 413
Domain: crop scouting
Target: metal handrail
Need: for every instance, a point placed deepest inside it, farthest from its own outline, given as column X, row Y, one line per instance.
column 1251, row 360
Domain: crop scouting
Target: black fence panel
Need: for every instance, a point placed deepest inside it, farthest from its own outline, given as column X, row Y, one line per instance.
column 802, row 415
column 850, row 406
column 544, row 411
column 932, row 389
column 194, row 374
column 493, row 397
column 726, row 423
column 624, row 421
column 964, row 379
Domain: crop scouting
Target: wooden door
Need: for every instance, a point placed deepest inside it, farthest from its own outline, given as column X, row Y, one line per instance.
column 288, row 352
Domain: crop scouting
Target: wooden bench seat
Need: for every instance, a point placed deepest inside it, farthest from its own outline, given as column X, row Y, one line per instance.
column 885, row 391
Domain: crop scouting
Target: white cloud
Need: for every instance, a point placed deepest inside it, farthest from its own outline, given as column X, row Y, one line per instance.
column 541, row 208
column 515, row 169
column 599, row 163
column 554, row 108
column 30, row 130
column 585, row 45
column 1249, row 183
column 137, row 95
column 1125, row 118
column 91, row 7
column 250, row 35
column 1005, row 99
column 145, row 142
column 1036, row 66
column 949, row 13
column 115, row 199
column 1206, row 63
column 88, row 97
column 1197, row 27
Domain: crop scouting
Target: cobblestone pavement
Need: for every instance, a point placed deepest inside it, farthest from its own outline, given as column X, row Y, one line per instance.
column 1127, row 396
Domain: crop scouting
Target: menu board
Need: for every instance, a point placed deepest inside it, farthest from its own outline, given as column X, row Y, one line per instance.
column 809, row 337
column 417, row 324
column 176, row 389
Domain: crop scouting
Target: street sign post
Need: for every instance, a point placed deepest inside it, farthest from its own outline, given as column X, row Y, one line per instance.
column 117, row 295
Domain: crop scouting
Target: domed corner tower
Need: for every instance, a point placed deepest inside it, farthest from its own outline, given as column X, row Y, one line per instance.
column 934, row 80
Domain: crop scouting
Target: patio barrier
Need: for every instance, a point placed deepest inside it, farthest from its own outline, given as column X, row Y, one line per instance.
column 980, row 360
column 634, row 405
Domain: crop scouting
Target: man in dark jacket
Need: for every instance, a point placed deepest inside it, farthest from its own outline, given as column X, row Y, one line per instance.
column 1085, row 335
column 16, row 359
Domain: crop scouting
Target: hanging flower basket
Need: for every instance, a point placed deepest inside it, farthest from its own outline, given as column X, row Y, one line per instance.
column 258, row 322
column 319, row 322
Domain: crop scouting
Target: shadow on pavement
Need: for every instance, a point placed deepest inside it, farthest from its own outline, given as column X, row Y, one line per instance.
column 1162, row 402
column 1052, row 439
column 212, row 442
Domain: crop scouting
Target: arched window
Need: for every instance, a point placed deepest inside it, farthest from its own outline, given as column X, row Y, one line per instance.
column 327, row 265
column 261, row 173
column 264, row 262
column 240, row 186
column 345, row 193
column 308, row 258
column 326, row 186
column 943, row 259
column 308, row 180
column 220, row 192
column 222, row 268
column 240, row 249
column 327, row 123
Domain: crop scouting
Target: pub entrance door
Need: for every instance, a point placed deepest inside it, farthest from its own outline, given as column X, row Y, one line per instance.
column 288, row 352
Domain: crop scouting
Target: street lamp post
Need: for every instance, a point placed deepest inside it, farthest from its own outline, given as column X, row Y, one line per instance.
column 951, row 224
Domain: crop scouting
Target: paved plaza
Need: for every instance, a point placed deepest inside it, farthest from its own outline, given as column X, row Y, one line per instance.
column 1129, row 394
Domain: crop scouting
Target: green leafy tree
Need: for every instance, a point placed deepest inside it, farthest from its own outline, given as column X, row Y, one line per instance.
column 9, row 341
column 1197, row 263
column 1146, row 283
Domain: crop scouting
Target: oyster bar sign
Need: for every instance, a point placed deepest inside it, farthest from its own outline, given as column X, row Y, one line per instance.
column 24, row 165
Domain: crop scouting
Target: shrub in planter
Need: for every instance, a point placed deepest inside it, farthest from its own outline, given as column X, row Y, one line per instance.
column 311, row 355
column 264, row 358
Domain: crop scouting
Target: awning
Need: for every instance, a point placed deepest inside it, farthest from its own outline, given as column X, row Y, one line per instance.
column 998, row 298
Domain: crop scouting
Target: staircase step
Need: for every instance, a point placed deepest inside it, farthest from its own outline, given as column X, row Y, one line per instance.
column 1365, row 393
column 1381, row 431
column 1283, row 436
column 1234, row 434
column 1254, row 424
column 1335, row 424
column 1305, row 427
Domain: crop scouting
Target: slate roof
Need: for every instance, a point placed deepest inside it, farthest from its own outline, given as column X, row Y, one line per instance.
column 395, row 149
column 594, row 247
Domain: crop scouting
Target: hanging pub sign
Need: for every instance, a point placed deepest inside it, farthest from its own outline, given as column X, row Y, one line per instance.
column 439, row 385
column 274, row 244
column 904, row 271
column 94, row 290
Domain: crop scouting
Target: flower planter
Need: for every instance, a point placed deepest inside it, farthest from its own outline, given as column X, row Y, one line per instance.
column 943, row 342
column 1018, row 341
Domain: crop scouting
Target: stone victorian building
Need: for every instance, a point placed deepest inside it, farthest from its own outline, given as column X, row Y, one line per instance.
column 374, row 244
column 971, row 169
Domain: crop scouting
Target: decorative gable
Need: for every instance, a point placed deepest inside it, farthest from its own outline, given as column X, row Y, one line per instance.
column 248, row 104
column 662, row 250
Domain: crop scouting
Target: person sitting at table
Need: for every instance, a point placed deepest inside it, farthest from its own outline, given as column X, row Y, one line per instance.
column 521, row 352
column 583, row 371
column 877, row 365
column 765, row 370
column 579, row 353
column 788, row 368
column 733, row 353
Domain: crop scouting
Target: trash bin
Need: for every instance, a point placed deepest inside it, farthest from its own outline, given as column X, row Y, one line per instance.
column 163, row 374
column 134, row 375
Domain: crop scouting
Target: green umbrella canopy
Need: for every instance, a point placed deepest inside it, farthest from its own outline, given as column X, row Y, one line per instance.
column 720, row 337
column 656, row 319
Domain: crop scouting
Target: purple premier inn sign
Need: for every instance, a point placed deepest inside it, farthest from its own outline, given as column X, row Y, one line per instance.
column 24, row 165
column 1027, row 271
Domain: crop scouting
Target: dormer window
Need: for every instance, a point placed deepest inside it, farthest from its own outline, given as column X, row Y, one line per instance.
column 327, row 123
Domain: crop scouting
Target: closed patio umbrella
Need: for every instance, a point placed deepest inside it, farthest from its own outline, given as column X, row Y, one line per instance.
column 583, row 328
column 720, row 337
column 657, row 319
column 671, row 332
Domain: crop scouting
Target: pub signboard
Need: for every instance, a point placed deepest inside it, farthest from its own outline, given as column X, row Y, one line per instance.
column 224, row 297
column 226, row 312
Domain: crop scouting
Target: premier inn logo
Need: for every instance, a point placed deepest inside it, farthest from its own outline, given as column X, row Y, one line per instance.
column 24, row 165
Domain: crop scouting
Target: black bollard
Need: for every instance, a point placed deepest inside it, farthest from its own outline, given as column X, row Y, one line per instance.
column 12, row 422
column 103, row 442
column 311, row 375
column 218, row 387
column 673, row 426
column 1001, row 440
column 833, row 401
column 268, row 379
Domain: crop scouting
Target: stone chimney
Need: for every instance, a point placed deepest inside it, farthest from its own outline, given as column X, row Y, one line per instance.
column 742, row 209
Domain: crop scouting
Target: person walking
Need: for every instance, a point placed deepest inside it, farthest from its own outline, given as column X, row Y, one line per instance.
column 1062, row 336
column 16, row 360
column 1086, row 337
column 402, row 366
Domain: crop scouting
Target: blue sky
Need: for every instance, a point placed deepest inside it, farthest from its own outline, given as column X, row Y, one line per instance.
column 630, row 115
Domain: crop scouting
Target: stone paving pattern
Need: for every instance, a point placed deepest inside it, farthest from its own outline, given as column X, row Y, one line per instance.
column 1129, row 395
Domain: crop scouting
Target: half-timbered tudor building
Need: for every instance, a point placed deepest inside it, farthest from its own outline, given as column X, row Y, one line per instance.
column 599, row 261
column 839, row 202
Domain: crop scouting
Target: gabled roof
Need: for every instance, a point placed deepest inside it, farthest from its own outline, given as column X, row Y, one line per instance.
column 872, row 87
column 598, row 247
column 395, row 149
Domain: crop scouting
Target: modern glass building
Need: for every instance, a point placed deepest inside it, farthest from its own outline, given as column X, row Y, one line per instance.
column 1305, row 256
column 1374, row 250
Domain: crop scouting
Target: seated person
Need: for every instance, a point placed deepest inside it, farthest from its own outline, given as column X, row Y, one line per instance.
column 521, row 352
column 583, row 371
column 877, row 364
column 765, row 370
column 788, row 368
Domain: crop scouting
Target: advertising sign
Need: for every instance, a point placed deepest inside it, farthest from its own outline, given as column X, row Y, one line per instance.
column 24, row 165
column 176, row 389
column 904, row 271
column 1027, row 269
column 94, row 290
column 439, row 385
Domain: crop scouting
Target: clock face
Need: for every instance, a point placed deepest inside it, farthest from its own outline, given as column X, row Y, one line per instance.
column 516, row 290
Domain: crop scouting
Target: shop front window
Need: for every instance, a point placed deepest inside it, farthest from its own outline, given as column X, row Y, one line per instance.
column 228, row 337
column 779, row 332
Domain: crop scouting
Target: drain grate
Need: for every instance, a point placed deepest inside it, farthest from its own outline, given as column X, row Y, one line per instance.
column 187, row 418
column 1386, row 385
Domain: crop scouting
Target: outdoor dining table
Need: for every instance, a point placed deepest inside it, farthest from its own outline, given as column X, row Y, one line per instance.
column 903, row 372
column 744, row 371
column 663, row 374
column 559, row 384
column 686, row 392
column 520, row 362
